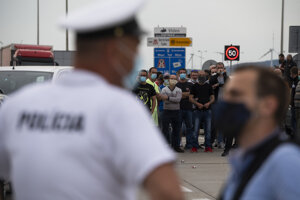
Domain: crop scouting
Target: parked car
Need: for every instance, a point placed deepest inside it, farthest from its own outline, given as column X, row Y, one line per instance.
column 14, row 78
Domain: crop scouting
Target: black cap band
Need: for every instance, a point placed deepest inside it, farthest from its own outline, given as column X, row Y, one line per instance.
column 130, row 27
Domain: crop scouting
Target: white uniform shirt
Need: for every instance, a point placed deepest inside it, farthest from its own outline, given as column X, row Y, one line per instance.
column 79, row 138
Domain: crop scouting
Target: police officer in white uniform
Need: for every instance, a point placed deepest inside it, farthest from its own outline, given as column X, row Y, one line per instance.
column 84, row 137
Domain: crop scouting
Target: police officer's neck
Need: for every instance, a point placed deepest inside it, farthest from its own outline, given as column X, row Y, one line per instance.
column 105, row 72
column 256, row 132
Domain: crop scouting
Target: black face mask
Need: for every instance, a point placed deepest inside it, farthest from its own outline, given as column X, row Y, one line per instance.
column 230, row 118
column 281, row 61
column 201, row 79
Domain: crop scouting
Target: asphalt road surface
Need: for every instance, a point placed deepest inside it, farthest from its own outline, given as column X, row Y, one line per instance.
column 202, row 174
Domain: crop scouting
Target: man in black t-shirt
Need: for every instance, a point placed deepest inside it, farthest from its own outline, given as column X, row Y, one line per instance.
column 204, row 93
column 144, row 91
column 186, row 108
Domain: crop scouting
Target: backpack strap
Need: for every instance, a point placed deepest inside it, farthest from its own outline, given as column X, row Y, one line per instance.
column 261, row 154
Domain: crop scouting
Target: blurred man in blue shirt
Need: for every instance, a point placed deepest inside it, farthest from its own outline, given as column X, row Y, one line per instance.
column 266, row 164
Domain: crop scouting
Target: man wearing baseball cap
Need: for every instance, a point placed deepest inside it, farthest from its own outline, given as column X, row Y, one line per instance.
column 81, row 137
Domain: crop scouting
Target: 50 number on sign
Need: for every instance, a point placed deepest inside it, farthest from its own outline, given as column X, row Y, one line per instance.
column 232, row 53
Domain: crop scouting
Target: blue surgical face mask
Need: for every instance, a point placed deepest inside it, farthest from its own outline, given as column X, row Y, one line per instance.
column 166, row 82
column 143, row 79
column 130, row 79
column 153, row 76
column 230, row 118
column 182, row 76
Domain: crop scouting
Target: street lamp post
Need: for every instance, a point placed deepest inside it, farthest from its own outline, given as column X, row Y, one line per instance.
column 67, row 32
column 192, row 57
column 282, row 27
column 38, row 23
column 1, row 43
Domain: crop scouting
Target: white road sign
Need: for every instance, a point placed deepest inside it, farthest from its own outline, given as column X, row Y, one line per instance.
column 158, row 42
column 170, row 30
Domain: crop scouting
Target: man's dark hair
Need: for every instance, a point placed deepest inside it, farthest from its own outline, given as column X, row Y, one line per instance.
column 183, row 69
column 150, row 70
column 207, row 71
column 281, row 55
column 270, row 84
column 290, row 56
column 143, row 70
column 220, row 63
column 294, row 70
column 194, row 71
column 160, row 77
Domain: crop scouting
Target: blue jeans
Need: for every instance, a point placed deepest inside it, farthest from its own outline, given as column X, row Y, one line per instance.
column 220, row 137
column 160, row 116
column 205, row 117
column 187, row 119
column 172, row 117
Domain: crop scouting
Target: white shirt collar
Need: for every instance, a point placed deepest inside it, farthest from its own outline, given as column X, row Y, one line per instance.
column 80, row 77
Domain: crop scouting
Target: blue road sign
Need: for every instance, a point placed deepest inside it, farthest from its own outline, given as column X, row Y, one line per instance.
column 169, row 59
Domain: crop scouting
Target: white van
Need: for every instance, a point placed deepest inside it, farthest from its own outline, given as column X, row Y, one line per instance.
column 12, row 79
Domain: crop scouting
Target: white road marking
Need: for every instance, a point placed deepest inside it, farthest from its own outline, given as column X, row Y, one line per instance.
column 184, row 189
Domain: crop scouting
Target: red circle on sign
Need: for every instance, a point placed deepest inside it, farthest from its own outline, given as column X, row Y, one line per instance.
column 237, row 53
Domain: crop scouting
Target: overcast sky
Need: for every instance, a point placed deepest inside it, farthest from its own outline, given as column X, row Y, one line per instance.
column 211, row 23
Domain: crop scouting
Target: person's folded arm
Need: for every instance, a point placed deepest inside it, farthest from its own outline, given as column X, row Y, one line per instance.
column 177, row 98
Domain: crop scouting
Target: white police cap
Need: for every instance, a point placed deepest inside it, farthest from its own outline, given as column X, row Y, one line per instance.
column 102, row 15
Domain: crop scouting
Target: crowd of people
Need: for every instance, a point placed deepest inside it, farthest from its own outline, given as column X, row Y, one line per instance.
column 182, row 103
column 288, row 70
column 104, row 146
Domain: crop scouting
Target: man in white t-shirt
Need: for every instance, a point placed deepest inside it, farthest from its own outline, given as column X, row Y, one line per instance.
column 84, row 137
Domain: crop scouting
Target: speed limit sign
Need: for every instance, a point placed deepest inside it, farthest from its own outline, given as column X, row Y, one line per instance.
column 232, row 53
